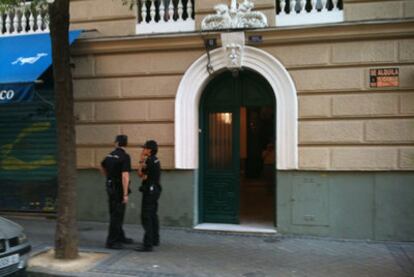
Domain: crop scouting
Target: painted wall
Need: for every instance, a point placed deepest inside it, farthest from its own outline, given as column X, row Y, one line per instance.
column 175, row 205
column 360, row 205
column 354, row 205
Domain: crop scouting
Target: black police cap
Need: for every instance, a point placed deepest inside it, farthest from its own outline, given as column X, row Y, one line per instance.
column 122, row 140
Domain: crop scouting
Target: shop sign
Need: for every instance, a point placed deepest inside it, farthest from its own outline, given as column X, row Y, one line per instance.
column 384, row 77
column 6, row 95
column 15, row 93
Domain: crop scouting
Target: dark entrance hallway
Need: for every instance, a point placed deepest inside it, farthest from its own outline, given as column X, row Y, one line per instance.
column 257, row 166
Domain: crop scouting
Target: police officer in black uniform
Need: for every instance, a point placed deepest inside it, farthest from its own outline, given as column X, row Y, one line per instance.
column 149, row 170
column 116, row 167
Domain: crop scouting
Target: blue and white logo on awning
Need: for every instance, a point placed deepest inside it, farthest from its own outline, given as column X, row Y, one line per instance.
column 29, row 60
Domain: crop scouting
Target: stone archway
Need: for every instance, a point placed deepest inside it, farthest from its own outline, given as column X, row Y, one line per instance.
column 192, row 86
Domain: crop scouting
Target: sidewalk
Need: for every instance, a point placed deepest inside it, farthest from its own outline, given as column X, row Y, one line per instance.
column 184, row 252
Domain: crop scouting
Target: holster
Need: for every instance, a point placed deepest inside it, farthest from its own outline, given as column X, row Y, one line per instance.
column 150, row 188
column 112, row 187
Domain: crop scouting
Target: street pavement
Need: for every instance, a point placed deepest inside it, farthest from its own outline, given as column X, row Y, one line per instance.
column 188, row 253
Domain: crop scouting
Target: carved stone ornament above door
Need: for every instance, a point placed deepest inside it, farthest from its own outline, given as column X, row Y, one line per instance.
column 233, row 49
column 237, row 16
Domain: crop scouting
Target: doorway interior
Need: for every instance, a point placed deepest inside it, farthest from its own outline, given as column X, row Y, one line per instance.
column 257, row 166
column 237, row 151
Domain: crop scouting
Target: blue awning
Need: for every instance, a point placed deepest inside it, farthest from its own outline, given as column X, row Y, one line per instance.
column 23, row 59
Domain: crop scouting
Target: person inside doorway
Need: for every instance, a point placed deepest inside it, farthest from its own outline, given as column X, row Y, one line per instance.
column 268, row 156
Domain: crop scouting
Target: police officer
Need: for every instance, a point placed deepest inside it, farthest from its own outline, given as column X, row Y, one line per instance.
column 149, row 169
column 116, row 167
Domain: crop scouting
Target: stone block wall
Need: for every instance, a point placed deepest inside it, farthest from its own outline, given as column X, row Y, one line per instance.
column 356, row 10
column 107, row 17
column 132, row 94
column 344, row 124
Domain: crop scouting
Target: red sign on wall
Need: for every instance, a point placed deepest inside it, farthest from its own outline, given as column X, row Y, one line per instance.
column 384, row 77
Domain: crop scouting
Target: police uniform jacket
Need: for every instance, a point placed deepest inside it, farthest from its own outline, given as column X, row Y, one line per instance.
column 115, row 163
column 152, row 169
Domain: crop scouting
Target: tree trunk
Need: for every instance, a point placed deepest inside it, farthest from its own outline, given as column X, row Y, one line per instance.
column 66, row 236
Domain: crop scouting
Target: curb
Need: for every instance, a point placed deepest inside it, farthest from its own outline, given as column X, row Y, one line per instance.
column 46, row 274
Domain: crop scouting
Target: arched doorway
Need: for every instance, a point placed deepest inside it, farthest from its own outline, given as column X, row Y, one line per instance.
column 187, row 103
column 237, row 151
column 192, row 86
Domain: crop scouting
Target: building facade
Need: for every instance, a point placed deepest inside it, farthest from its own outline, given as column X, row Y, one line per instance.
column 311, row 133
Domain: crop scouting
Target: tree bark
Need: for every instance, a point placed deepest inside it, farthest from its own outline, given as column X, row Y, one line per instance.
column 66, row 236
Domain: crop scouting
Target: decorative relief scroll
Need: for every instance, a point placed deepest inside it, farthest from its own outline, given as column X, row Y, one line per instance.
column 237, row 16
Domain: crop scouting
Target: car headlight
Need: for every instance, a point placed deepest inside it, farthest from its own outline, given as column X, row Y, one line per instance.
column 22, row 238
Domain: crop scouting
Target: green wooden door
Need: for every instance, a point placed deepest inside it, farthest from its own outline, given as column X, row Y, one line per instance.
column 220, row 157
column 220, row 142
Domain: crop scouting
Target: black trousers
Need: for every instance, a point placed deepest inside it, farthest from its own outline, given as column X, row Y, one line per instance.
column 149, row 217
column 116, row 216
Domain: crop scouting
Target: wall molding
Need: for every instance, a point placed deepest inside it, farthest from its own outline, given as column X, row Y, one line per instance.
column 346, row 31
